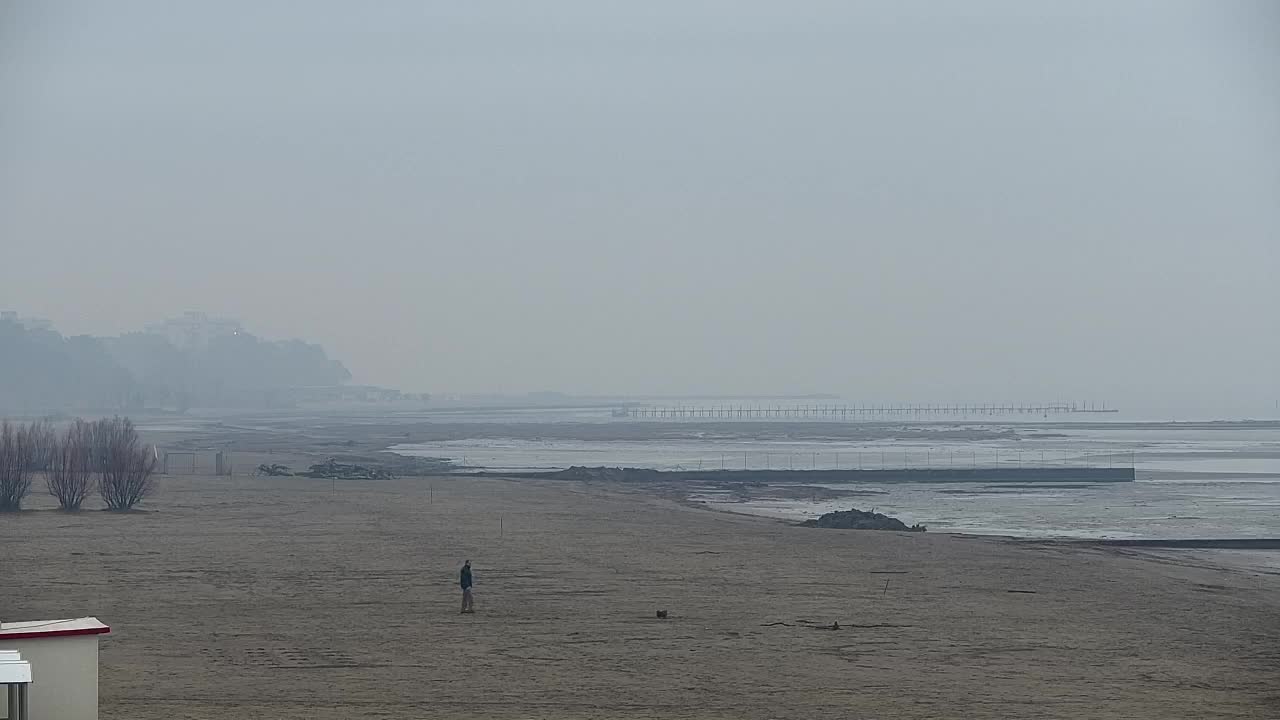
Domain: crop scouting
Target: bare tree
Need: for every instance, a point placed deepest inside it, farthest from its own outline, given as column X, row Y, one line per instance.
column 43, row 439
column 15, row 466
column 95, row 437
column 70, row 474
column 126, row 467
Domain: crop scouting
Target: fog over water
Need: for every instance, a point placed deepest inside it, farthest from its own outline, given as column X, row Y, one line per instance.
column 891, row 201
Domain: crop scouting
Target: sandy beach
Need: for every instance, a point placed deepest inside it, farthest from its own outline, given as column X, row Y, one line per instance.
column 298, row 598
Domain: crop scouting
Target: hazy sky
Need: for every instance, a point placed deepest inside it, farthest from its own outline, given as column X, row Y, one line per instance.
column 891, row 200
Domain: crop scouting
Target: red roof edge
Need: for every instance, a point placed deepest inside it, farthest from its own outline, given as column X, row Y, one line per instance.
column 54, row 633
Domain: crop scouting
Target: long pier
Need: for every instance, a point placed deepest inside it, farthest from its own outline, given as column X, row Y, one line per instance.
column 849, row 413
column 841, row 477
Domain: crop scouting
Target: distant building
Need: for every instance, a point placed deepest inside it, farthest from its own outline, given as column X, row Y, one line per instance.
column 30, row 323
column 194, row 329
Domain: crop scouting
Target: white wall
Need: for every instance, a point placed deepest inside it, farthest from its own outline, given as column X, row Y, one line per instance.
column 64, row 676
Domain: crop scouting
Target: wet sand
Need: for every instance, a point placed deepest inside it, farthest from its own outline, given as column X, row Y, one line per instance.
column 297, row 598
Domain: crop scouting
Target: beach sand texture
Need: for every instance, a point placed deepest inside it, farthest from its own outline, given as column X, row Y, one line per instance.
column 298, row 598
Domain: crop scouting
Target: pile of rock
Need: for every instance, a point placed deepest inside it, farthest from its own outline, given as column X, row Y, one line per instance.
column 855, row 519
column 274, row 470
column 589, row 474
column 331, row 468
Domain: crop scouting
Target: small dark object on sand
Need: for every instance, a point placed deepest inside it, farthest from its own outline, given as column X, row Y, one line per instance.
column 274, row 470
column 662, row 614
column 854, row 519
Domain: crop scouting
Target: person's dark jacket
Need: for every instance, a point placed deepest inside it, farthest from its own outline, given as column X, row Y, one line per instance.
column 466, row 577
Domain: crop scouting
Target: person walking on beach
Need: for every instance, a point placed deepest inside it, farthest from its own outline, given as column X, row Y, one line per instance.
column 468, row 603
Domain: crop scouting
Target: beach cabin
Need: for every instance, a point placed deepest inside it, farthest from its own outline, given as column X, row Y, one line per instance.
column 62, row 657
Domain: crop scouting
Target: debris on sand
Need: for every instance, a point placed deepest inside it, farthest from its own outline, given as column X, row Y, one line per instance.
column 598, row 474
column 332, row 469
column 274, row 470
column 855, row 519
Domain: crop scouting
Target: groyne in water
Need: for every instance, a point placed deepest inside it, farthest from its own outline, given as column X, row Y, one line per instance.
column 838, row 477
column 1193, row 543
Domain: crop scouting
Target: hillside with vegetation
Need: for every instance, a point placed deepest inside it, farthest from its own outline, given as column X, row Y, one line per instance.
column 41, row 371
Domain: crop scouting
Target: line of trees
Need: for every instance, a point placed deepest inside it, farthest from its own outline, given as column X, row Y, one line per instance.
column 42, row 371
column 103, row 455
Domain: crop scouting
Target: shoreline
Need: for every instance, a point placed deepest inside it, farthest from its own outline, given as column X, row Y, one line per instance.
column 1260, row 544
column 1029, row 475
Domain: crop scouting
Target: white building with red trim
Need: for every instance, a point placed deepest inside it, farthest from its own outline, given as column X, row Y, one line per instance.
column 63, row 655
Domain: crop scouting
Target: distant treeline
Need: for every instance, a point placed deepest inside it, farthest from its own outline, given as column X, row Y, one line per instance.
column 41, row 371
